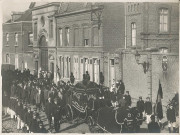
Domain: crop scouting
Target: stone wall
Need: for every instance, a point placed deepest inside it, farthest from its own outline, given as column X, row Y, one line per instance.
column 137, row 82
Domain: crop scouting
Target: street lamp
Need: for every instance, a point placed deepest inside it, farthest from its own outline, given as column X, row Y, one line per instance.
column 144, row 64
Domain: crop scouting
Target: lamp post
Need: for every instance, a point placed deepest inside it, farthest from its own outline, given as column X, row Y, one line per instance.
column 144, row 64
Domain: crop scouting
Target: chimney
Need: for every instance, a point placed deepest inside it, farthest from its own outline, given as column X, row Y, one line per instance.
column 16, row 15
column 32, row 5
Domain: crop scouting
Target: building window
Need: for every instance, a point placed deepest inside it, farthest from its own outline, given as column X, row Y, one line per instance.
column 76, row 37
column 7, row 59
column 163, row 25
column 163, row 50
column 86, row 36
column 133, row 34
column 7, row 38
column 95, row 36
column 138, row 7
column 16, row 61
column 134, row 7
column 60, row 37
column 76, row 67
column 68, row 66
column 30, row 38
column 35, row 31
column 16, row 39
column 67, row 36
column 131, row 8
column 51, row 28
column 128, row 8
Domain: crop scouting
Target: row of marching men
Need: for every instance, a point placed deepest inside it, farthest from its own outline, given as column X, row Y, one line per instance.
column 28, row 118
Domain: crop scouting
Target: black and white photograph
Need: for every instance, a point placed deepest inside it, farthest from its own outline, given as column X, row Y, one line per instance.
column 89, row 66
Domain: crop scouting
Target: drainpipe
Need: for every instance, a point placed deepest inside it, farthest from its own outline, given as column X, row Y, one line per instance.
column 22, row 46
column 125, row 28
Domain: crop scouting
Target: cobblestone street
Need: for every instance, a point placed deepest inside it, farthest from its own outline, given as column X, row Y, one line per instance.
column 9, row 126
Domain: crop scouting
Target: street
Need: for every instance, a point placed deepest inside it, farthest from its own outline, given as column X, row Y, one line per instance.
column 9, row 125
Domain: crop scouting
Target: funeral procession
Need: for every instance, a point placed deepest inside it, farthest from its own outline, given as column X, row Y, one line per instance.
column 90, row 67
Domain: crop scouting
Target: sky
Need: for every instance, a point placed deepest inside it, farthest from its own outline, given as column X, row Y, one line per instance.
column 21, row 5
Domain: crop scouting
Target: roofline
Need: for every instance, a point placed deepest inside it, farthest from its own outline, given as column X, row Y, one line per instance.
column 46, row 5
column 18, row 22
column 79, row 11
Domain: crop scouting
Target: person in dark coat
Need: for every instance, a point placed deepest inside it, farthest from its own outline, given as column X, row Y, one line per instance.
column 122, row 102
column 5, row 102
column 23, row 112
column 45, row 94
column 171, row 117
column 34, row 126
column 153, row 127
column 41, row 128
column 72, row 78
column 49, row 111
column 140, row 105
column 148, row 109
column 56, row 115
column 28, row 117
column 121, row 87
column 19, row 108
column 128, row 98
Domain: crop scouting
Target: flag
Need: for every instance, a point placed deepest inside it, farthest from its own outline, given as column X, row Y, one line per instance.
column 158, row 106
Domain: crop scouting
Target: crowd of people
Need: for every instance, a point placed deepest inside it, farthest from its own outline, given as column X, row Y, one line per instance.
column 22, row 90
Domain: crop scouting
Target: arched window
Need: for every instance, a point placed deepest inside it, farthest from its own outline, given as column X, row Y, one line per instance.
column 163, row 20
column 133, row 34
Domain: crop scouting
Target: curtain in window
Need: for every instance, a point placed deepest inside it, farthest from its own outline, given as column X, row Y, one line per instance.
column 67, row 36
column 133, row 33
column 60, row 37
column 163, row 26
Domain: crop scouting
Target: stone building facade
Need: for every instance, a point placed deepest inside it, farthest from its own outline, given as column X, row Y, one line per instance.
column 152, row 31
column 76, row 37
column 17, row 46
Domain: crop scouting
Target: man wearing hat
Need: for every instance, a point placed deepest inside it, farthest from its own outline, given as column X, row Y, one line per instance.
column 41, row 127
column 23, row 112
column 148, row 109
column 122, row 102
column 153, row 127
column 57, row 116
column 28, row 117
column 49, row 111
column 128, row 98
column 34, row 126
column 140, row 105
column 171, row 117
column 18, row 114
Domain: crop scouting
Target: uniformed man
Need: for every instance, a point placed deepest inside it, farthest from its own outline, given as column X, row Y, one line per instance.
column 153, row 127
column 34, row 126
column 56, row 115
column 41, row 128
column 171, row 117
column 128, row 98
column 140, row 105
column 148, row 109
